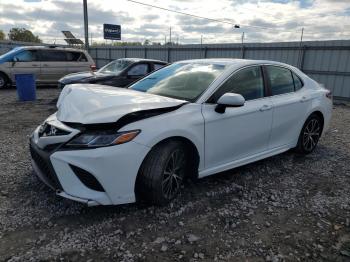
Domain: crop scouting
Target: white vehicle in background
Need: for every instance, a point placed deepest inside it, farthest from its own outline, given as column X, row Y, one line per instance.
column 47, row 63
column 108, row 145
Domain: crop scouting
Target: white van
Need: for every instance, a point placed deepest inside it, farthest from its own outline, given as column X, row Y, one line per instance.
column 47, row 63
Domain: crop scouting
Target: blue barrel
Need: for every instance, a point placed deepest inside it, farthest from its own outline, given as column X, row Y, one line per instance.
column 26, row 88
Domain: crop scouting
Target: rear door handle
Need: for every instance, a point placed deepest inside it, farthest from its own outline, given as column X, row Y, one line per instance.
column 45, row 65
column 35, row 65
column 265, row 108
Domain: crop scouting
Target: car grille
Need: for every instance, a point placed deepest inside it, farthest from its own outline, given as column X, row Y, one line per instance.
column 46, row 168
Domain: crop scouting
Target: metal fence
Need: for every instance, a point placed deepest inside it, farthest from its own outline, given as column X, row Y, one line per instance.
column 328, row 62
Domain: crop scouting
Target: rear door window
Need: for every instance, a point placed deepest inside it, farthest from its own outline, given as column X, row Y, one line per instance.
column 158, row 66
column 281, row 80
column 53, row 56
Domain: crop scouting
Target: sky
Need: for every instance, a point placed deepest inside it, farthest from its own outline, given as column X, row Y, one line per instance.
column 260, row 20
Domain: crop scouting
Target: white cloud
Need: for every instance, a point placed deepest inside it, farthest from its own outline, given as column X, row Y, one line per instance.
column 261, row 20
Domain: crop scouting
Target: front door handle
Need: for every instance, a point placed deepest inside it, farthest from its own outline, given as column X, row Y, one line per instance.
column 265, row 108
column 45, row 65
column 304, row 99
column 35, row 65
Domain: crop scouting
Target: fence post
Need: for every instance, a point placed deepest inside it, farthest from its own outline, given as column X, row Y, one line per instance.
column 168, row 50
column 145, row 52
column 302, row 57
column 110, row 54
column 205, row 52
column 243, row 51
column 96, row 56
column 125, row 52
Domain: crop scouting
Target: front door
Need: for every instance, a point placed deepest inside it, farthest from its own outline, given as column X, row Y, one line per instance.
column 135, row 73
column 25, row 62
column 239, row 132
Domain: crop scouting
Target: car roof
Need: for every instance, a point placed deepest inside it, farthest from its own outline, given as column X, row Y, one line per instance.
column 143, row 60
column 232, row 61
column 60, row 48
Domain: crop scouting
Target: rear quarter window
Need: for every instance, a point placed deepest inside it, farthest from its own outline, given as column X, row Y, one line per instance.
column 297, row 82
column 76, row 57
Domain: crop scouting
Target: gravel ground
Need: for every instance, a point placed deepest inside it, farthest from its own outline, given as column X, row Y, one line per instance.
column 285, row 208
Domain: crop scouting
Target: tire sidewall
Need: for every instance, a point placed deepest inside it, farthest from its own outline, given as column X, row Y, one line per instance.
column 300, row 147
column 3, row 79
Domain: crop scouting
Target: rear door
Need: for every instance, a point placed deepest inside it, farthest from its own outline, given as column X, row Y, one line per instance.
column 157, row 66
column 26, row 62
column 290, row 105
column 53, row 65
column 77, row 62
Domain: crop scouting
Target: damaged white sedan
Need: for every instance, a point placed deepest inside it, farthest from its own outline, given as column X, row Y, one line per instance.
column 108, row 146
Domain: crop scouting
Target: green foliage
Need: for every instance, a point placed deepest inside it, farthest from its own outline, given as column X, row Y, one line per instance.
column 2, row 35
column 24, row 35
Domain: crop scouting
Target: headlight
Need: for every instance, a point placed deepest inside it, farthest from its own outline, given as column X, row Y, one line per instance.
column 102, row 139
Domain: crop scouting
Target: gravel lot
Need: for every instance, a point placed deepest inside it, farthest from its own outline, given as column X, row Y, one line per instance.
column 285, row 208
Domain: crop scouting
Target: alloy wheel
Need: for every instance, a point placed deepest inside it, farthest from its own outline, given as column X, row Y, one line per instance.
column 2, row 82
column 311, row 134
column 173, row 174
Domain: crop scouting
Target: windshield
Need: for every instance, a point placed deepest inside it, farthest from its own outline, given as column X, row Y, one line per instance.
column 115, row 67
column 186, row 81
column 7, row 56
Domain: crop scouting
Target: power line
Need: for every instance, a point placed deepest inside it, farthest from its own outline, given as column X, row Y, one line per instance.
column 202, row 17
column 226, row 21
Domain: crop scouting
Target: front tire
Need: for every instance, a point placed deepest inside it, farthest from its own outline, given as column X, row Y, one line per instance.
column 162, row 173
column 3, row 80
column 309, row 135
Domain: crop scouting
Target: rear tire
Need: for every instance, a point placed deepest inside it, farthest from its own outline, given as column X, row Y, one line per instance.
column 309, row 135
column 162, row 173
column 3, row 80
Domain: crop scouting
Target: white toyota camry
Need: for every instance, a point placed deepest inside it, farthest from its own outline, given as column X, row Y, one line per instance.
column 195, row 118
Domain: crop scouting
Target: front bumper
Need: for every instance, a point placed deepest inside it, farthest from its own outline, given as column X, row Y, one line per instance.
column 115, row 168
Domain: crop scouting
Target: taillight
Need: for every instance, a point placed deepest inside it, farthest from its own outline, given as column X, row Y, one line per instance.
column 93, row 67
column 329, row 94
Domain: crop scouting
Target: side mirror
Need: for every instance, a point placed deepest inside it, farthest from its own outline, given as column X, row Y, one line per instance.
column 229, row 100
column 14, row 60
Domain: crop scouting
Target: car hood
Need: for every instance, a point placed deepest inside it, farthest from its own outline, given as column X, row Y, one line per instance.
column 83, row 76
column 93, row 104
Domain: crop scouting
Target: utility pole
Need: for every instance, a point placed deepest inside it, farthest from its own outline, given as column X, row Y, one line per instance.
column 201, row 39
column 302, row 35
column 86, row 24
column 242, row 45
column 170, row 35
column 300, row 49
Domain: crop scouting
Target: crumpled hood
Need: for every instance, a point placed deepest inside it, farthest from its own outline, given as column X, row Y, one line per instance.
column 92, row 104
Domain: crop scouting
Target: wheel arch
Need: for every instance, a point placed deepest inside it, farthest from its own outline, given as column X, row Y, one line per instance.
column 320, row 115
column 9, row 81
column 189, row 145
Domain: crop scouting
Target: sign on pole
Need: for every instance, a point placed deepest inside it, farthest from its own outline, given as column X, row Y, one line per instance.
column 112, row 32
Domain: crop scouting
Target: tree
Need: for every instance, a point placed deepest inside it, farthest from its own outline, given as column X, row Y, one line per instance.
column 2, row 35
column 24, row 35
